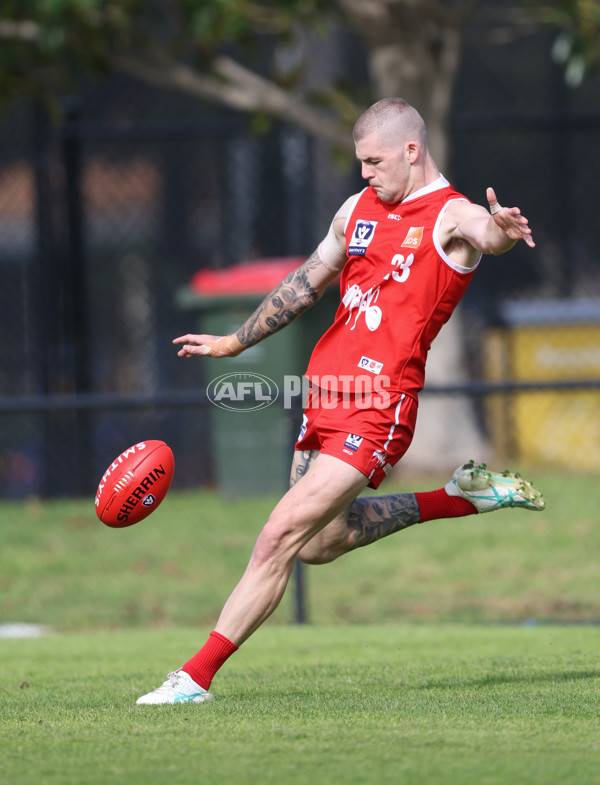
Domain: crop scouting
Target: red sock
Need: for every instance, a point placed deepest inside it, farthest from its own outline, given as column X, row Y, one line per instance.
column 437, row 504
column 203, row 665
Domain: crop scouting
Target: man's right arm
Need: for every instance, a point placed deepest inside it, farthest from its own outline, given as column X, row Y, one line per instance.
column 294, row 295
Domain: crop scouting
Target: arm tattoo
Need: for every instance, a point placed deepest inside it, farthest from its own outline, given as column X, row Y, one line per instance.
column 287, row 301
column 372, row 517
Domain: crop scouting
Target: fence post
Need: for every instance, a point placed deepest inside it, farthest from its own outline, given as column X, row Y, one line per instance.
column 300, row 615
column 74, row 284
column 46, row 325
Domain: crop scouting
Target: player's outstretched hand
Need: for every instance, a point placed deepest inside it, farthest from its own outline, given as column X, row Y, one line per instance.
column 208, row 345
column 510, row 220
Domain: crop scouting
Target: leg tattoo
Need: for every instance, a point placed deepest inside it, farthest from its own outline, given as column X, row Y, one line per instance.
column 301, row 464
column 371, row 518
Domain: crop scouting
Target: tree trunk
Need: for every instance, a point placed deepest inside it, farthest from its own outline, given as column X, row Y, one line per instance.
column 414, row 53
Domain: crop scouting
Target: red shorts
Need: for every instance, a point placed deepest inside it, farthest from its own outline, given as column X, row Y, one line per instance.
column 364, row 433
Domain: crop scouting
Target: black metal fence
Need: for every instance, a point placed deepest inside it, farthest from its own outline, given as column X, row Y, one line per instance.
column 104, row 223
column 106, row 217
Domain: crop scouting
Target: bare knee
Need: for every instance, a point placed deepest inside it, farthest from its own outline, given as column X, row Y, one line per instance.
column 281, row 540
column 276, row 543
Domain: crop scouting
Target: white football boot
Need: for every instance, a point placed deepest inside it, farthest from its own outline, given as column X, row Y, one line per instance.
column 489, row 491
column 178, row 688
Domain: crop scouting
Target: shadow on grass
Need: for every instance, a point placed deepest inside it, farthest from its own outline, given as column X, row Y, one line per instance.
column 510, row 678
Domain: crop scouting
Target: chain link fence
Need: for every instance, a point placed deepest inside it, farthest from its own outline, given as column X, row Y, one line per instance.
column 105, row 218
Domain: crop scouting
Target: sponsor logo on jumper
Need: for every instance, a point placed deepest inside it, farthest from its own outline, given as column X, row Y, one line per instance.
column 413, row 237
column 353, row 442
column 361, row 237
column 370, row 365
column 358, row 302
column 394, row 217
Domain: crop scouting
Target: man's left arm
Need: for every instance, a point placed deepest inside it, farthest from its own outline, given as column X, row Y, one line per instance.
column 493, row 232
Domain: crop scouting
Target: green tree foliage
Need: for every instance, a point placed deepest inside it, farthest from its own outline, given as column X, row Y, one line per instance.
column 250, row 55
column 578, row 44
column 47, row 44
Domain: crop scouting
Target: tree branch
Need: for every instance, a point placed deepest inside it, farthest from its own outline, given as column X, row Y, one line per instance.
column 23, row 30
column 263, row 95
column 236, row 87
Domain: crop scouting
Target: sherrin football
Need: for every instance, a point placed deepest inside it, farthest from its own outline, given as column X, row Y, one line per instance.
column 135, row 484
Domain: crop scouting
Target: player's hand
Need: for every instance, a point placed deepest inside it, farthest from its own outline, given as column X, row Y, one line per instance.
column 510, row 220
column 209, row 346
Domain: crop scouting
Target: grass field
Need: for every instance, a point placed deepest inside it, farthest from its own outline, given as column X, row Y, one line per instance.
column 60, row 566
column 470, row 670
column 427, row 704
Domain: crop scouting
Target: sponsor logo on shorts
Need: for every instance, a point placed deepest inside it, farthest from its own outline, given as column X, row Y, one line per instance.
column 414, row 237
column 381, row 457
column 361, row 237
column 353, row 442
column 370, row 365
column 303, row 428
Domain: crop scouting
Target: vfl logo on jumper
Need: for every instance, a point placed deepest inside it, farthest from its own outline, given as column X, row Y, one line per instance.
column 361, row 237
column 242, row 392
column 353, row 442
column 414, row 237
column 370, row 365
column 358, row 303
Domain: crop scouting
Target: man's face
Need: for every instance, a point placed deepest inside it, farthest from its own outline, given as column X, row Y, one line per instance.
column 385, row 165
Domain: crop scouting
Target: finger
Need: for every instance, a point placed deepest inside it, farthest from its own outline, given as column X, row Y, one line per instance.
column 194, row 340
column 525, row 231
column 491, row 196
column 187, row 351
column 495, row 207
column 183, row 339
column 200, row 350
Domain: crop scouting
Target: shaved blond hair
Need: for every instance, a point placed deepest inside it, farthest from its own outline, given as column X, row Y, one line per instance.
column 393, row 118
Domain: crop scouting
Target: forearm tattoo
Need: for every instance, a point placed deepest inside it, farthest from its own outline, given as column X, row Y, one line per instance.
column 287, row 301
column 372, row 517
